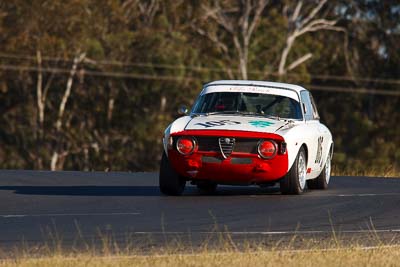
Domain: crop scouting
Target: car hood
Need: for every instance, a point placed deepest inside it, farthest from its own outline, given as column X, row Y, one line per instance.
column 238, row 123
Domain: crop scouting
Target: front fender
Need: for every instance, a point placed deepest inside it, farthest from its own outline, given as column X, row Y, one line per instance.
column 177, row 126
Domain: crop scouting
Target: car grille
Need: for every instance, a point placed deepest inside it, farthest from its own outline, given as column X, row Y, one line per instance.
column 242, row 145
column 226, row 145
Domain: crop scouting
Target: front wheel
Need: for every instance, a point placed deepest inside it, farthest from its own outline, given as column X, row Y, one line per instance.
column 322, row 181
column 170, row 182
column 294, row 181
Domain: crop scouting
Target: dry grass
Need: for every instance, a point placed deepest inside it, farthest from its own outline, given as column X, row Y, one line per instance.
column 334, row 251
column 383, row 256
column 388, row 172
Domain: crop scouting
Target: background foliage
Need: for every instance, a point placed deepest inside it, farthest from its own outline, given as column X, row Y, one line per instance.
column 92, row 84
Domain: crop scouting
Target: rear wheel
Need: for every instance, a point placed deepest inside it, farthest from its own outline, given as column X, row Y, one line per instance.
column 170, row 182
column 207, row 187
column 322, row 181
column 294, row 181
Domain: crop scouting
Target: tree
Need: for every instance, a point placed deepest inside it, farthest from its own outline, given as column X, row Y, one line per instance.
column 238, row 20
column 91, row 85
column 302, row 20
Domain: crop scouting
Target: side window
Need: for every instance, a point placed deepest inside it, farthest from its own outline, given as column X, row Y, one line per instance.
column 315, row 111
column 306, row 105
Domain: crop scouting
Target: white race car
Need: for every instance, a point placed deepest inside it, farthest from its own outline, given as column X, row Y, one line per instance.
column 248, row 132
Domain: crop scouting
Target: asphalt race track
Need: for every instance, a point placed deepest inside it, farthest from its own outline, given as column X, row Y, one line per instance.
column 37, row 207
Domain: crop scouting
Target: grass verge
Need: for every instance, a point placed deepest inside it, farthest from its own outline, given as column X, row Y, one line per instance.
column 356, row 256
column 369, row 249
column 388, row 172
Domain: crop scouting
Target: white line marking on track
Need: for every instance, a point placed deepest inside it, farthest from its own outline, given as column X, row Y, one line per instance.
column 67, row 214
column 368, row 195
column 332, row 195
column 275, row 232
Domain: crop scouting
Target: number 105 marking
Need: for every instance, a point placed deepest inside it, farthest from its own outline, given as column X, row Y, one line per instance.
column 217, row 123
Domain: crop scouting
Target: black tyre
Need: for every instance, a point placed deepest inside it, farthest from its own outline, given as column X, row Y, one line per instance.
column 295, row 180
column 322, row 181
column 169, row 180
column 207, row 187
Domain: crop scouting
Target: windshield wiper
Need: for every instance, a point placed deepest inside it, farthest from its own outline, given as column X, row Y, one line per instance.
column 243, row 113
column 251, row 114
column 272, row 117
column 221, row 112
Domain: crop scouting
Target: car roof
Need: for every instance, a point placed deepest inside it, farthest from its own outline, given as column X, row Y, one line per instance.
column 276, row 85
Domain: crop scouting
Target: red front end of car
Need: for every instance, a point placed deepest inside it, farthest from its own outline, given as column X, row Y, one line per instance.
column 230, row 157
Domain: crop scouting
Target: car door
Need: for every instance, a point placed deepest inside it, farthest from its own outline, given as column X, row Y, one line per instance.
column 325, row 137
column 314, row 137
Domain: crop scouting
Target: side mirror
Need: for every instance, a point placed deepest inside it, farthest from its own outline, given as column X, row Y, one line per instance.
column 183, row 110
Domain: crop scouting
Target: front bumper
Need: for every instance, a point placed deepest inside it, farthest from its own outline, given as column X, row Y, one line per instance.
column 239, row 167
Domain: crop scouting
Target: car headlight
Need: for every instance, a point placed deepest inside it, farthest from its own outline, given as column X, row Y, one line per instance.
column 267, row 149
column 186, row 145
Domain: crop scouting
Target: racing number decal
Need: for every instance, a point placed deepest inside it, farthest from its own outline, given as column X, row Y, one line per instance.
column 217, row 123
column 319, row 150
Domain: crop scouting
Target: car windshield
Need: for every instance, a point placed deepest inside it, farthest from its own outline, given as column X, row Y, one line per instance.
column 258, row 104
